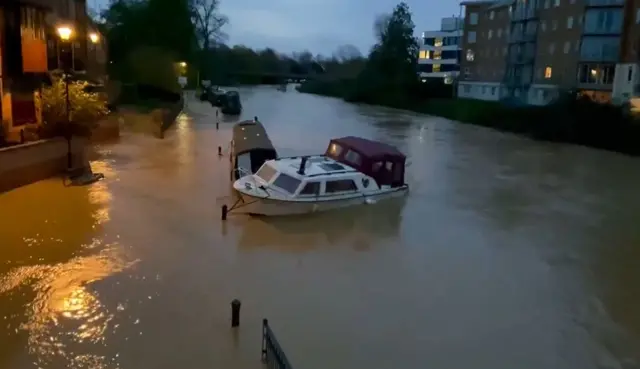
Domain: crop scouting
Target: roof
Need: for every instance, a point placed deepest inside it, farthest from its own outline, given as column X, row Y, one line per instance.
column 369, row 148
column 250, row 135
column 501, row 3
column 316, row 166
column 477, row 2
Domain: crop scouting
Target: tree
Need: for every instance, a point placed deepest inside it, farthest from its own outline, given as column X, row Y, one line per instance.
column 208, row 22
column 347, row 53
column 391, row 69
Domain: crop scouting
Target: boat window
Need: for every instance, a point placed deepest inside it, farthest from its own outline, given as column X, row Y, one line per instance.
column 342, row 185
column 287, row 183
column 353, row 157
column 311, row 188
column 266, row 172
column 389, row 166
column 335, row 149
column 376, row 166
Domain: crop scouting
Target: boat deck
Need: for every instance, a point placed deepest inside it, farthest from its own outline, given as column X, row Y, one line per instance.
column 316, row 166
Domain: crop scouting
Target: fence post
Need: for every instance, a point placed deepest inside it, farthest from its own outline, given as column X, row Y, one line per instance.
column 265, row 324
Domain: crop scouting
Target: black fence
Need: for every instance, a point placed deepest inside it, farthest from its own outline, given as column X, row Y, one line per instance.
column 272, row 354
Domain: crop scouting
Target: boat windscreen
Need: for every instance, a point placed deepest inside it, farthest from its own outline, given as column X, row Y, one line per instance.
column 266, row 172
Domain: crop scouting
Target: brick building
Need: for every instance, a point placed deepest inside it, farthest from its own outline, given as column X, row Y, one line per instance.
column 30, row 48
column 547, row 46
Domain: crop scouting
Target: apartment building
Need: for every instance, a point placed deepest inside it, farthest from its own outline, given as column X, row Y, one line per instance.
column 552, row 45
column 30, row 48
column 440, row 51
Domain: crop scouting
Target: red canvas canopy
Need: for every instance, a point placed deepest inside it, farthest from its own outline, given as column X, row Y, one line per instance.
column 382, row 162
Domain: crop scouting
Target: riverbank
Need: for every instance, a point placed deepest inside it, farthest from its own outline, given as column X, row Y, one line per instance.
column 569, row 120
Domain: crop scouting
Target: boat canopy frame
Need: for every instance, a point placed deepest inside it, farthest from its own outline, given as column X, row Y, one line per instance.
column 380, row 161
column 250, row 137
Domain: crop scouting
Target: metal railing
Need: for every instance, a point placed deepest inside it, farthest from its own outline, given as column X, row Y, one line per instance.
column 272, row 354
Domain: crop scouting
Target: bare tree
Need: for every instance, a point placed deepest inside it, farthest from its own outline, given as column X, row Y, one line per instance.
column 345, row 53
column 208, row 21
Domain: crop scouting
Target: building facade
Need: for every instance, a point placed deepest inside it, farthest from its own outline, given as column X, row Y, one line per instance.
column 440, row 51
column 550, row 46
column 30, row 49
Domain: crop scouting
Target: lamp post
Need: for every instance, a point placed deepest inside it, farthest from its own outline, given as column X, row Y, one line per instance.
column 65, row 33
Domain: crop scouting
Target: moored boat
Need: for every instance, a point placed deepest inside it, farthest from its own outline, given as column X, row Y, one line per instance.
column 231, row 104
column 249, row 149
column 352, row 171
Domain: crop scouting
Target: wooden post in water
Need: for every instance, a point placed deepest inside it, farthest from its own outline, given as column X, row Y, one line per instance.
column 235, row 312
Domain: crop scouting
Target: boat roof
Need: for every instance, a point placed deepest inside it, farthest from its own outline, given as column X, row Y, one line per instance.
column 369, row 148
column 250, row 135
column 316, row 166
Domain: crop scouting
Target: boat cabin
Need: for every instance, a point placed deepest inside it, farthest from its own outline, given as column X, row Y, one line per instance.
column 250, row 148
column 380, row 161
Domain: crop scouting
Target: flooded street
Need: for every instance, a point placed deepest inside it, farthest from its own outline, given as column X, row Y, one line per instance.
column 506, row 254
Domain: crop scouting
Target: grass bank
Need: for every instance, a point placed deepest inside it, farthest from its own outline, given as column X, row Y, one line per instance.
column 569, row 120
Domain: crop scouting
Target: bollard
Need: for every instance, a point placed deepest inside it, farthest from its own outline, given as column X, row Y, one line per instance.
column 235, row 313
column 219, row 151
column 217, row 125
column 225, row 210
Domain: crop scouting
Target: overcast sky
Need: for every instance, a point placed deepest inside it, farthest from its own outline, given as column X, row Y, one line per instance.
column 319, row 26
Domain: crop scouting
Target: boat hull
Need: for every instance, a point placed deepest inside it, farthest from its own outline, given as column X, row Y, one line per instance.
column 254, row 205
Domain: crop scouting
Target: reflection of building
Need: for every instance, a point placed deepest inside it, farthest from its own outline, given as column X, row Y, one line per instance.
column 530, row 50
column 440, row 51
column 29, row 49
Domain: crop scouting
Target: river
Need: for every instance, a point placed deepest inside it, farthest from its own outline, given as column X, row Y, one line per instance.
column 507, row 253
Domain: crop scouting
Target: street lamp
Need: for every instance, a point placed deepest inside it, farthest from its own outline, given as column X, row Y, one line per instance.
column 66, row 33
column 94, row 37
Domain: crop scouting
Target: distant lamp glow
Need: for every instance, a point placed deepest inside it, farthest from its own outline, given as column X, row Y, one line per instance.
column 183, row 64
column 65, row 33
column 94, row 37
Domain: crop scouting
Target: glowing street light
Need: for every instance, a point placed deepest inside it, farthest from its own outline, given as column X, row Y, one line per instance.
column 94, row 37
column 65, row 33
column 183, row 64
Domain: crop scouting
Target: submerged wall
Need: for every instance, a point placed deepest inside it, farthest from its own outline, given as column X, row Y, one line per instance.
column 34, row 161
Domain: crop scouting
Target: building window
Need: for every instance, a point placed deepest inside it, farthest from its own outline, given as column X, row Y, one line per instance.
column 556, row 3
column 567, row 47
column 437, row 54
column 552, row 48
column 484, row 90
column 467, row 89
column 638, row 16
column 492, row 15
column 543, row 25
column 436, row 68
column 490, row 34
column 470, row 55
column 569, row 22
column 499, row 32
column 546, row 4
column 471, row 37
column 424, row 54
column 504, row 51
column 577, row 48
column 438, row 42
column 493, row 91
column 547, row 72
column 554, row 25
column 473, row 19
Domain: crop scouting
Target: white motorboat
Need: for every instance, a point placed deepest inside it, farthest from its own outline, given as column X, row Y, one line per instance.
column 353, row 171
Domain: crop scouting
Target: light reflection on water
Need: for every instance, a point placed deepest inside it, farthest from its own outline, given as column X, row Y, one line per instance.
column 47, row 302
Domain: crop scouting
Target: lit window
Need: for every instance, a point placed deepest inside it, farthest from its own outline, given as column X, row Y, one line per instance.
column 470, row 55
column 424, row 54
column 547, row 72
column 569, row 22
column 438, row 42
column 490, row 34
column 437, row 54
column 436, row 68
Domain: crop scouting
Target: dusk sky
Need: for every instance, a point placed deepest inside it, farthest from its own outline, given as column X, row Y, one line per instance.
column 319, row 26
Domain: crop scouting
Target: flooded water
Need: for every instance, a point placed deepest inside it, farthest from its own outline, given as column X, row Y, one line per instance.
column 507, row 254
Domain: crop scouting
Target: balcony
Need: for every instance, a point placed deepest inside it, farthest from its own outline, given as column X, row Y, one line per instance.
column 516, row 38
column 522, row 14
column 604, row 3
column 521, row 58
